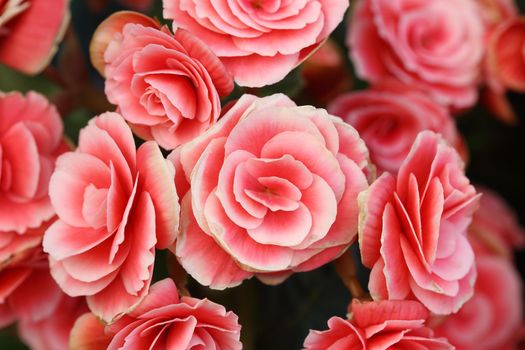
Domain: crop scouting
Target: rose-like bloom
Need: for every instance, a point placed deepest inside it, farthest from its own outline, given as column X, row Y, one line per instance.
column 379, row 326
column 115, row 205
column 412, row 229
column 495, row 229
column 258, row 41
column 433, row 45
column 273, row 190
column 166, row 85
column 491, row 320
column 389, row 117
column 30, row 141
column 30, row 31
column 325, row 74
column 162, row 321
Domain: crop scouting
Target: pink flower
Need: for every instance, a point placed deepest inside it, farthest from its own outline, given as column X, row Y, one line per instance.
column 433, row 45
column 495, row 229
column 115, row 205
column 30, row 141
column 163, row 321
column 166, row 85
column 412, row 229
column 30, row 31
column 389, row 117
column 378, row 326
column 491, row 320
column 273, row 190
column 258, row 41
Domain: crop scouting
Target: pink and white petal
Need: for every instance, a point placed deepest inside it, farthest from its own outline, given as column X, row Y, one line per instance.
column 323, row 208
column 73, row 287
column 161, row 293
column 442, row 304
column 19, row 217
column 249, row 254
column 107, row 30
column 205, row 177
column 114, row 301
column 283, row 228
column 34, row 36
column 203, row 258
column 199, row 50
column 192, row 151
column 140, row 230
column 457, row 265
column 372, row 203
column 257, row 71
column 345, row 227
column 88, row 334
column 30, row 307
column 73, row 172
column 62, row 240
column 157, row 178
column 395, row 270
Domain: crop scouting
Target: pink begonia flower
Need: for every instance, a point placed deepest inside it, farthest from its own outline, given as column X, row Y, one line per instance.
column 378, row 326
column 434, row 45
column 31, row 139
column 491, row 320
column 495, row 229
column 273, row 190
column 389, row 117
column 258, row 41
column 30, row 31
column 412, row 229
column 30, row 296
column 115, row 205
column 162, row 321
column 167, row 86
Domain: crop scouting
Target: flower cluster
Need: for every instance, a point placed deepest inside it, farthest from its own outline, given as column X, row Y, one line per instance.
column 190, row 152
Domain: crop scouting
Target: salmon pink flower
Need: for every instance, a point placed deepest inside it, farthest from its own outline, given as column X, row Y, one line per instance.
column 434, row 45
column 31, row 139
column 389, row 117
column 412, row 229
column 380, row 326
column 30, row 31
column 273, row 190
column 258, row 41
column 167, row 86
column 115, row 205
column 163, row 321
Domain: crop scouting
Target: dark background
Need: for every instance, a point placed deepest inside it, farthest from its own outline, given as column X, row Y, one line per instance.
column 279, row 317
